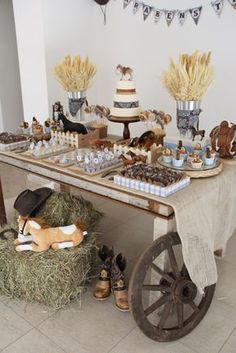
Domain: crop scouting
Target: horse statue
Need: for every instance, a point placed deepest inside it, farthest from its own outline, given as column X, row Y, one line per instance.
column 137, row 157
column 125, row 70
column 43, row 236
column 196, row 132
column 71, row 126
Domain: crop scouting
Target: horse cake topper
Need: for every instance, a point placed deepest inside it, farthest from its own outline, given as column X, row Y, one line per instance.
column 126, row 73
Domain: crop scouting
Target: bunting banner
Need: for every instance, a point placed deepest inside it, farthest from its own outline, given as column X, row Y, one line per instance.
column 196, row 13
column 126, row 3
column 233, row 3
column 146, row 11
column 182, row 15
column 137, row 5
column 218, row 6
column 170, row 14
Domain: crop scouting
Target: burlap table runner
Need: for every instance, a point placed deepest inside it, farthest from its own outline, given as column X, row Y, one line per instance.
column 206, row 218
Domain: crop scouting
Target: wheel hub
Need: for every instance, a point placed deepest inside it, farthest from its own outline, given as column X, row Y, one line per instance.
column 184, row 290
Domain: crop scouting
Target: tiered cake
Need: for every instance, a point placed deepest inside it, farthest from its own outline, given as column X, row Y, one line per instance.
column 126, row 103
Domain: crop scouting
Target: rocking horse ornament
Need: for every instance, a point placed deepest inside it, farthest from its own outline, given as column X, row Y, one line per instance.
column 35, row 230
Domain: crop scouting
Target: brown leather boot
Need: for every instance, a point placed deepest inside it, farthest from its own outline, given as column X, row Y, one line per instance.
column 119, row 288
column 103, row 285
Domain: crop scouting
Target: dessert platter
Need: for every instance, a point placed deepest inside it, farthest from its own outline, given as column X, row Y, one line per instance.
column 44, row 149
column 96, row 162
column 10, row 142
column 67, row 159
column 152, row 179
column 196, row 164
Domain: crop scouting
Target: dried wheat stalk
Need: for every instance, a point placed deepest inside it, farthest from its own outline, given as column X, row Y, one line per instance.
column 75, row 74
column 190, row 78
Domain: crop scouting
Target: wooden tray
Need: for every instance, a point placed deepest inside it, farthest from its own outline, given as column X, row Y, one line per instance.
column 204, row 172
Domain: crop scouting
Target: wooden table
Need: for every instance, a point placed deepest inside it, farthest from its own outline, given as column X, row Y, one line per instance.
column 95, row 184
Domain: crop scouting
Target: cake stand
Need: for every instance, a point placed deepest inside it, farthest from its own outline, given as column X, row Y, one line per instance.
column 126, row 121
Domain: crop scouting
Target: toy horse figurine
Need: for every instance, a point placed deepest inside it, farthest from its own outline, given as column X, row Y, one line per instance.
column 196, row 132
column 124, row 70
column 70, row 126
column 43, row 237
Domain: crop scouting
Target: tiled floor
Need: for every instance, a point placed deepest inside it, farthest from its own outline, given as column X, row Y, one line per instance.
column 97, row 327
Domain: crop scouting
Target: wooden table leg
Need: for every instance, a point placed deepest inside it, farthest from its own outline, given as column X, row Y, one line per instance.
column 3, row 217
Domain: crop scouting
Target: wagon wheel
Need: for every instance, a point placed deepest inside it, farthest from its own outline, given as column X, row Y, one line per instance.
column 166, row 304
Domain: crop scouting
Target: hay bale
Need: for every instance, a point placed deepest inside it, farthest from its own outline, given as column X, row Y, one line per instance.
column 62, row 209
column 53, row 278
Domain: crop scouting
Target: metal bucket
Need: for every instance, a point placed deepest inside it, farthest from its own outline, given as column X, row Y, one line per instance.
column 76, row 104
column 187, row 117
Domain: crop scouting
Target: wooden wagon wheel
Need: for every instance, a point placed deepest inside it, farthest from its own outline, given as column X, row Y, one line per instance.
column 173, row 306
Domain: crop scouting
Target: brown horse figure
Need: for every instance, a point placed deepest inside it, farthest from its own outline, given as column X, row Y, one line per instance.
column 125, row 70
column 196, row 132
column 137, row 158
column 126, row 161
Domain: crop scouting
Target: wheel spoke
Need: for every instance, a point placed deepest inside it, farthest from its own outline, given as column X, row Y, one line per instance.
column 180, row 312
column 161, row 301
column 194, row 307
column 156, row 287
column 165, row 315
column 162, row 273
column 173, row 261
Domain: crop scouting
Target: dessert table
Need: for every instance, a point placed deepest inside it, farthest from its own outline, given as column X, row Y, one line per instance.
column 204, row 216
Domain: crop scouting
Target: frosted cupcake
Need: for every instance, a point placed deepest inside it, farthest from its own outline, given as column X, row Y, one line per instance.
column 167, row 155
column 197, row 149
column 177, row 161
column 209, row 158
column 191, row 157
column 196, row 163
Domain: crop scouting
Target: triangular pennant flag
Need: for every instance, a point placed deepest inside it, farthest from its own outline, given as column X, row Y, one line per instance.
column 146, row 11
column 157, row 14
column 126, row 3
column 233, row 3
column 196, row 13
column 137, row 5
column 170, row 14
column 182, row 15
column 218, row 6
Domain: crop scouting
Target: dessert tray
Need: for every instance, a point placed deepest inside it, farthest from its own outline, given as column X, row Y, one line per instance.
column 204, row 171
column 152, row 179
column 67, row 159
column 96, row 162
column 10, row 142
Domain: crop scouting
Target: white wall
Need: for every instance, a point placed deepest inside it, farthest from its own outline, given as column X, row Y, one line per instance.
column 11, row 112
column 31, row 51
column 76, row 26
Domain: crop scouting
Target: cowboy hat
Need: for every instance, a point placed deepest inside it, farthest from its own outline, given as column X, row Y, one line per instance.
column 28, row 201
column 101, row 2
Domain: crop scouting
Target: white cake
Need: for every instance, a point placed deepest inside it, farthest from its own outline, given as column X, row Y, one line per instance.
column 126, row 103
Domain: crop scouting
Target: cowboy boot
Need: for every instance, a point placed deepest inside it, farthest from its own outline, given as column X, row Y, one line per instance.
column 103, row 285
column 119, row 288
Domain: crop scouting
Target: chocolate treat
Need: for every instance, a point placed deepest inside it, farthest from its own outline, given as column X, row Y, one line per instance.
column 153, row 174
column 7, row 137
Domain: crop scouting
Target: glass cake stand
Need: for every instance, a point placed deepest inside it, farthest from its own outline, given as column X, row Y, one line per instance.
column 126, row 121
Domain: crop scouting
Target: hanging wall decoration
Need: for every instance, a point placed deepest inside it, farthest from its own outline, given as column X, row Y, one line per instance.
column 194, row 12
column 218, row 6
column 233, row 3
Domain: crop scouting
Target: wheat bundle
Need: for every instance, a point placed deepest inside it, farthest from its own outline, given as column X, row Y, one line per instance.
column 189, row 79
column 75, row 74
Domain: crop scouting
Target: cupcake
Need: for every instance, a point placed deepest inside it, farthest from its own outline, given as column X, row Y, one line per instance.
column 191, row 157
column 196, row 163
column 183, row 153
column 209, row 158
column 197, row 149
column 167, row 155
column 177, row 161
